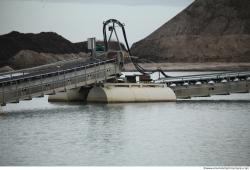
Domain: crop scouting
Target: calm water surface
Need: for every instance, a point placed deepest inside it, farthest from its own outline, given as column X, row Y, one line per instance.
column 203, row 131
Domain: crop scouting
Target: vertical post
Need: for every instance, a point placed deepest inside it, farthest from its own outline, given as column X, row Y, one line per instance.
column 85, row 75
column 105, row 71
column 17, row 98
column 41, row 77
column 247, row 86
column 95, row 74
column 159, row 74
column 99, row 72
column 3, row 94
column 64, row 77
column 75, row 77
column 29, row 89
column 58, row 75
column 116, row 62
column 54, row 82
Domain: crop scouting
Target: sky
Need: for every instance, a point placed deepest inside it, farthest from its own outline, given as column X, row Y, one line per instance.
column 78, row 20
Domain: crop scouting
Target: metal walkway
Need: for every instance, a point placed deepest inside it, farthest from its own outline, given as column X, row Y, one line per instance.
column 54, row 78
column 205, row 85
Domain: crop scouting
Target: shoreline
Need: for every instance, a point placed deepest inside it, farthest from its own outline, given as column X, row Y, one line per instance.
column 192, row 66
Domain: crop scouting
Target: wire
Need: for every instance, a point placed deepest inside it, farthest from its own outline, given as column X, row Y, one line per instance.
column 138, row 67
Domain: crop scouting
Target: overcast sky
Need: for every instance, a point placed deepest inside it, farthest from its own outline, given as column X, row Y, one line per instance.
column 77, row 20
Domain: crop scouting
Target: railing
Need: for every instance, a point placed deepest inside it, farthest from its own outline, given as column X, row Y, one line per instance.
column 139, row 85
column 206, row 77
column 25, row 77
column 41, row 67
column 24, row 86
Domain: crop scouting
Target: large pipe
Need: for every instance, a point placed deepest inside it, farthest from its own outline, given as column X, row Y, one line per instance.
column 131, row 93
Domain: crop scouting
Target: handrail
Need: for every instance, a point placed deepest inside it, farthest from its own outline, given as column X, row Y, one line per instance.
column 205, row 76
column 59, row 71
column 53, row 82
column 37, row 67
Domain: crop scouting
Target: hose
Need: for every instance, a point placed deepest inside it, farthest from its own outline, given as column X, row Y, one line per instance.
column 136, row 64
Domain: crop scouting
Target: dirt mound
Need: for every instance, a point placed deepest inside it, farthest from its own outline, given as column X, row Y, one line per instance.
column 19, row 50
column 5, row 69
column 49, row 42
column 206, row 31
column 28, row 58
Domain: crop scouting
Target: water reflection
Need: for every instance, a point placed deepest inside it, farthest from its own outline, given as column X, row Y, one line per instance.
column 208, row 131
column 105, row 127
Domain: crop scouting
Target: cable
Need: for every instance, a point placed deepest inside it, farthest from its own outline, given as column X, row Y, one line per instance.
column 136, row 64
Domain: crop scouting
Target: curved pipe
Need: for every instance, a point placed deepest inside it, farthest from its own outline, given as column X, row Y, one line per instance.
column 114, row 21
column 137, row 66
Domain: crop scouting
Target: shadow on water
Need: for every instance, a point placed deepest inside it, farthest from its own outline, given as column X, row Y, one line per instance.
column 62, row 108
column 95, row 108
column 212, row 101
column 48, row 108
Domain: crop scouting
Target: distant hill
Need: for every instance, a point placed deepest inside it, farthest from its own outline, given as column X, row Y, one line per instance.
column 206, row 31
column 14, row 45
column 16, row 49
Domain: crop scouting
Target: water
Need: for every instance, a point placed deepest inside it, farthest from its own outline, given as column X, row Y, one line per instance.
column 199, row 132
